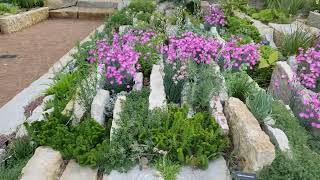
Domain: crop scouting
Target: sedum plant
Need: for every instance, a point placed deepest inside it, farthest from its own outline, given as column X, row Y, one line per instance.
column 260, row 104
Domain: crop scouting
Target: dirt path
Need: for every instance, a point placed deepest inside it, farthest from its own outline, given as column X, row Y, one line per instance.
column 37, row 49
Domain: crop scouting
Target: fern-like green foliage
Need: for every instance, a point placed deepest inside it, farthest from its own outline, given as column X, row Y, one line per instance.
column 260, row 104
column 238, row 85
column 74, row 142
column 192, row 141
column 202, row 81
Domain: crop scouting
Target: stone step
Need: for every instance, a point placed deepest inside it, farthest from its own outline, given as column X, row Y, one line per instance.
column 98, row 3
column 81, row 13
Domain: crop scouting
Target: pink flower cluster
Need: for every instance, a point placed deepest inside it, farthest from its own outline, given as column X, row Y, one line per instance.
column 205, row 50
column 235, row 56
column 191, row 47
column 309, row 67
column 314, row 111
column 215, row 16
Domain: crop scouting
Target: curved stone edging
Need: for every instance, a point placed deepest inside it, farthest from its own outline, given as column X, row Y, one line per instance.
column 17, row 22
column 12, row 113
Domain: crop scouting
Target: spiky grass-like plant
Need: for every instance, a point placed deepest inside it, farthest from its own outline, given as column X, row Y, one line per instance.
column 260, row 104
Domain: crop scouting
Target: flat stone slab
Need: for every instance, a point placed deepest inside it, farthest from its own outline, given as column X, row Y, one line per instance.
column 217, row 170
column 58, row 4
column 76, row 12
column 94, row 13
column 74, row 171
column 250, row 142
column 70, row 13
column 134, row 174
column 98, row 106
column 98, row 3
column 157, row 98
column 17, row 22
column 44, row 164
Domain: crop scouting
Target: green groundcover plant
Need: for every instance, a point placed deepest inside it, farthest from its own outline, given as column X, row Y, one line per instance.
column 305, row 162
column 18, row 154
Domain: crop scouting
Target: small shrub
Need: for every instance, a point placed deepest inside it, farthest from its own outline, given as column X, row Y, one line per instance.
column 242, row 27
column 8, row 8
column 119, row 18
column 260, row 104
column 271, row 15
column 147, row 6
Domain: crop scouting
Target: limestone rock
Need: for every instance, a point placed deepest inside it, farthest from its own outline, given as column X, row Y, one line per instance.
column 217, row 113
column 98, row 106
column 135, row 173
column 138, row 82
column 249, row 140
column 285, row 87
column 38, row 114
column 314, row 19
column 157, row 98
column 116, row 114
column 58, row 4
column 280, row 138
column 281, row 82
column 74, row 171
column 44, row 164
column 76, row 109
column 217, row 170
column 22, row 131
column 17, row 22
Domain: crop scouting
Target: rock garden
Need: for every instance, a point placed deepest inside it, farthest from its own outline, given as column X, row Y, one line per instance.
column 179, row 90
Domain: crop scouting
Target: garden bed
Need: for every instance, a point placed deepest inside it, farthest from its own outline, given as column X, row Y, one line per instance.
column 168, row 96
column 17, row 22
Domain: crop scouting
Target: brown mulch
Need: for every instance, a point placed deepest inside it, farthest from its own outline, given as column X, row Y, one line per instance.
column 28, row 54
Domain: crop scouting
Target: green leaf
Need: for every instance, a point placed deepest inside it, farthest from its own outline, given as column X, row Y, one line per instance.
column 273, row 58
column 263, row 63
